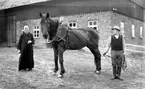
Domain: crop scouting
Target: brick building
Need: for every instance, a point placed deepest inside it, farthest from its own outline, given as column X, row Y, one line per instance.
column 99, row 14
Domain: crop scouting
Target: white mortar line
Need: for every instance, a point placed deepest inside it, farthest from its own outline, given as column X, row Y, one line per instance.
column 135, row 45
column 86, row 49
column 135, row 51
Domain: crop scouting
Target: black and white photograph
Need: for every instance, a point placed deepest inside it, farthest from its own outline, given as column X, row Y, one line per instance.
column 72, row 44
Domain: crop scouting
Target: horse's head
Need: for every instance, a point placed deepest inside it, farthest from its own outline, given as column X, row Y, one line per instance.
column 48, row 26
column 45, row 25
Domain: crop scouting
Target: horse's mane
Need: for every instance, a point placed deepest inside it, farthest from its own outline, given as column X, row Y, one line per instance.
column 53, row 26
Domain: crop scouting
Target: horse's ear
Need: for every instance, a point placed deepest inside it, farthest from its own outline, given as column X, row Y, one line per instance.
column 47, row 15
column 40, row 14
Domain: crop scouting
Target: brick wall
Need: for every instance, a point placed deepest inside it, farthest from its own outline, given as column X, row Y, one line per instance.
column 103, row 18
column 117, row 18
column 106, row 20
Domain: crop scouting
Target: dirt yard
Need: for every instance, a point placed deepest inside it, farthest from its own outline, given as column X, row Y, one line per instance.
column 79, row 74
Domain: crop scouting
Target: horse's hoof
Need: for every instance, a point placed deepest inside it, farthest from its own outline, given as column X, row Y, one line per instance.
column 60, row 76
column 53, row 73
column 97, row 72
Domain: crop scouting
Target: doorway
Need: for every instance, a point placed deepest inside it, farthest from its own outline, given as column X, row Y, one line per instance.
column 11, row 31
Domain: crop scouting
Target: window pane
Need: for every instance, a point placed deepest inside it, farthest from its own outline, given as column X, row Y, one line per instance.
column 90, row 23
column 133, row 33
column 133, row 26
column 95, row 28
column 141, row 32
column 122, row 24
column 37, row 27
column 122, row 28
column 70, row 24
column 74, row 24
column 95, row 23
column 133, row 30
column 37, row 32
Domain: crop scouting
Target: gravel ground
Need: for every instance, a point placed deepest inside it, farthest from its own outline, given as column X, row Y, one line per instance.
column 79, row 72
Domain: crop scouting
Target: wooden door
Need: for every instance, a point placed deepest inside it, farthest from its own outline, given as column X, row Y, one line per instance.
column 11, row 30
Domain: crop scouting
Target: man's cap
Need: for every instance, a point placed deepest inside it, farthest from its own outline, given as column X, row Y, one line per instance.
column 116, row 28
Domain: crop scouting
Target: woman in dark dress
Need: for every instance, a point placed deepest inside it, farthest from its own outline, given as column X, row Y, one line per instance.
column 25, row 48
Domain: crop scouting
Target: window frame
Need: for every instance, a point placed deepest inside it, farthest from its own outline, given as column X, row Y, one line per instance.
column 122, row 27
column 72, row 24
column 36, row 31
column 141, row 31
column 92, row 25
column 133, row 30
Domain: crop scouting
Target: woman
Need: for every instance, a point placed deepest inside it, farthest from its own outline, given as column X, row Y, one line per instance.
column 117, row 45
column 25, row 48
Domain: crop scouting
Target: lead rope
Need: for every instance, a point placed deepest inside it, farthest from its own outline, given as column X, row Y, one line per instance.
column 108, row 58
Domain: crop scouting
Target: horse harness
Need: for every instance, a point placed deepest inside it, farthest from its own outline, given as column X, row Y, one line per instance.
column 62, row 34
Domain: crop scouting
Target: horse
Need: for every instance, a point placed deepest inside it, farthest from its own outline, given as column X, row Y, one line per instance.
column 63, row 38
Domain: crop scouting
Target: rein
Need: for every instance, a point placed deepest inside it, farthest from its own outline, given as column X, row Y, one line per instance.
column 124, row 63
column 66, row 40
column 107, row 57
column 67, row 34
column 60, row 38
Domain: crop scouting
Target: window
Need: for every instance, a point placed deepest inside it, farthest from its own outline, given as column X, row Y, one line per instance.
column 36, row 32
column 122, row 28
column 133, row 30
column 73, row 24
column 141, row 32
column 93, row 24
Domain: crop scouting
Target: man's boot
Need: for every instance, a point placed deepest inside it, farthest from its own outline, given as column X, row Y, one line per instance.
column 119, row 73
column 114, row 73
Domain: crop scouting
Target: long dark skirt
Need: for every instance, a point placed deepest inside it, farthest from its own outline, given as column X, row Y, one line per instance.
column 26, row 60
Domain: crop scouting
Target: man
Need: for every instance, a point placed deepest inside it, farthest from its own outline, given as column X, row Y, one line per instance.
column 25, row 48
column 117, row 45
column 61, row 19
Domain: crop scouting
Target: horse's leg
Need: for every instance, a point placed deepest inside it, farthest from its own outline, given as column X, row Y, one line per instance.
column 62, row 70
column 55, row 60
column 97, row 58
column 60, row 54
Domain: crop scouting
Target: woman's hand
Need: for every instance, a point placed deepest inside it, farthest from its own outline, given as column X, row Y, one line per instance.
column 29, row 41
column 18, row 51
